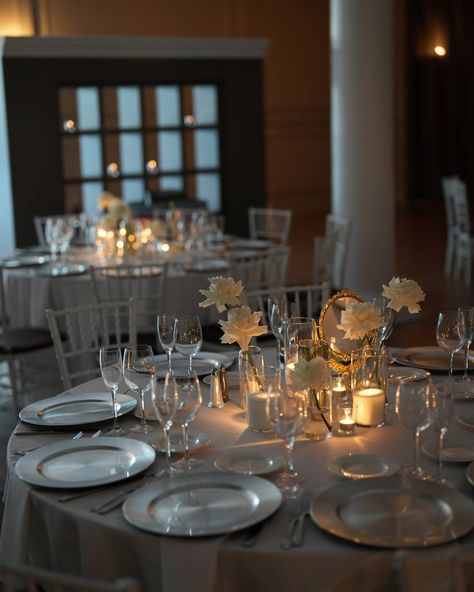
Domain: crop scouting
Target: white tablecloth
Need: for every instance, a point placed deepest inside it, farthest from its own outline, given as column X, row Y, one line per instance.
column 68, row 537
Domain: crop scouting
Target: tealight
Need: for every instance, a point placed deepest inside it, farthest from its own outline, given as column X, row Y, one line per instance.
column 346, row 418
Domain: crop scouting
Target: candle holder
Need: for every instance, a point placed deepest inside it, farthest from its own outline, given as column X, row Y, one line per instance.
column 346, row 418
column 250, row 369
column 368, row 383
column 258, row 401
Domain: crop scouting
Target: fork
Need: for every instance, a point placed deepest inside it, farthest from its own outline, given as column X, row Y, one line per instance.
column 24, row 451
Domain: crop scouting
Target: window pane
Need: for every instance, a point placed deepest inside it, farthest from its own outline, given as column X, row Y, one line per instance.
column 90, row 151
column 168, row 110
column 90, row 197
column 206, row 149
column 129, row 108
column 172, row 182
column 205, row 104
column 133, row 190
column 88, row 112
column 131, row 153
column 208, row 189
column 170, row 157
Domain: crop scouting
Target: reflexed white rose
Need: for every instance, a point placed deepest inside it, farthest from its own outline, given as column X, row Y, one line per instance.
column 403, row 292
column 359, row 319
column 312, row 373
column 242, row 324
column 222, row 292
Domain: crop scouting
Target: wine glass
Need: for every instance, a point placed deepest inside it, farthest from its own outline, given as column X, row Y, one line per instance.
column 65, row 235
column 278, row 308
column 166, row 326
column 139, row 374
column 286, row 415
column 443, row 405
column 450, row 334
column 51, row 235
column 414, row 412
column 468, row 339
column 164, row 400
column 110, row 359
column 188, row 337
column 189, row 402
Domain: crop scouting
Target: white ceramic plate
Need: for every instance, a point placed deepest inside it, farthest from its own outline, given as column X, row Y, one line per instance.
column 207, row 266
column 233, row 379
column 196, row 440
column 363, row 466
column 26, row 261
column 467, row 420
column 62, row 270
column 85, row 463
column 454, row 450
column 470, row 473
column 71, row 409
column 383, row 512
column 248, row 462
column 395, row 374
column 203, row 363
column 429, row 358
column 202, row 504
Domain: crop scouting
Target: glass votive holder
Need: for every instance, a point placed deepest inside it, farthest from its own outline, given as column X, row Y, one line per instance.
column 346, row 418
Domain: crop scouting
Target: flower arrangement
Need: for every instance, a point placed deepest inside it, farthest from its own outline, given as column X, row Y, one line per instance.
column 114, row 210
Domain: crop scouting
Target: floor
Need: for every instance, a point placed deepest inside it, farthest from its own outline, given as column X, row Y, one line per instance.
column 420, row 256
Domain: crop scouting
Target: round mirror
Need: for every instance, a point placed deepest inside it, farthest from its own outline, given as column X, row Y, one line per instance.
column 339, row 348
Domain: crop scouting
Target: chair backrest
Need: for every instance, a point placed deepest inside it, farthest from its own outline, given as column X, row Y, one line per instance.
column 460, row 205
column 144, row 282
column 303, row 301
column 4, row 324
column 447, row 187
column 338, row 228
column 271, row 224
column 15, row 577
column 261, row 271
column 79, row 332
column 323, row 258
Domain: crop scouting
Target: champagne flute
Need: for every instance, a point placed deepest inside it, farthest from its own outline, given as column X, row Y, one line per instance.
column 139, row 374
column 166, row 326
column 469, row 337
column 188, row 337
column 164, row 400
column 278, row 307
column 443, row 405
column 189, row 402
column 450, row 334
column 414, row 412
column 110, row 359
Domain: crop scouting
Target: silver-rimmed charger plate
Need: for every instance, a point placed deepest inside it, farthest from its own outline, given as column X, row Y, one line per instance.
column 26, row 261
column 207, row 266
column 248, row 462
column 406, row 373
column 85, row 463
column 203, row 363
column 363, row 466
column 384, row 512
column 454, row 450
column 58, row 270
column 196, row 440
column 470, row 473
column 71, row 409
column 429, row 358
column 467, row 420
column 202, row 504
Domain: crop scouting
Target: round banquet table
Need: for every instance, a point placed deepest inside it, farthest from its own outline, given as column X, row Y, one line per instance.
column 70, row 538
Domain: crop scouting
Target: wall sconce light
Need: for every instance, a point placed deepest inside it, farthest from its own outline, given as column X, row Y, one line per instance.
column 152, row 167
column 440, row 51
column 69, row 126
column 113, row 170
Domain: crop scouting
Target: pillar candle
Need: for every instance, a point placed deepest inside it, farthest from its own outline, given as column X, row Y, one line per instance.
column 371, row 406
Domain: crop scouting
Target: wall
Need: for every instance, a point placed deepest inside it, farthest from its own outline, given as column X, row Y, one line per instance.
column 296, row 87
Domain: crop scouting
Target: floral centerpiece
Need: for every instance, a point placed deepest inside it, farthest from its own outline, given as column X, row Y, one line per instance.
column 114, row 210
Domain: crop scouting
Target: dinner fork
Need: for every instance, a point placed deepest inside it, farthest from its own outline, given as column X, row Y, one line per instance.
column 24, row 451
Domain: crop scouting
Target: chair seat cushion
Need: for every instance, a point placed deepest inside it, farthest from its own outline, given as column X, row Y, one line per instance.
column 26, row 339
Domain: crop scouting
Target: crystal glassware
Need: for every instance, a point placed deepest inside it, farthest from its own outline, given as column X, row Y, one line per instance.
column 188, row 391
column 166, row 327
column 388, row 316
column 468, row 339
column 110, row 359
column 450, row 334
column 278, row 309
column 51, row 235
column 139, row 374
column 443, row 405
column 188, row 337
column 164, row 401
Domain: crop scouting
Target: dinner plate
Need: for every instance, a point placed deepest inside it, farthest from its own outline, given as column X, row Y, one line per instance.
column 196, row 440
column 207, row 266
column 27, row 261
column 454, row 450
column 244, row 243
column 203, row 363
column 396, row 374
column 85, row 463
column 429, row 358
column 202, row 504
column 62, row 270
column 71, row 409
column 467, row 420
column 248, row 462
column 393, row 512
column 363, row 466
column 233, row 379
column 470, row 473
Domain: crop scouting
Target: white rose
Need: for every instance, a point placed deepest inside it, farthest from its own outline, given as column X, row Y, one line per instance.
column 222, row 292
column 359, row 319
column 403, row 292
column 242, row 324
column 312, row 373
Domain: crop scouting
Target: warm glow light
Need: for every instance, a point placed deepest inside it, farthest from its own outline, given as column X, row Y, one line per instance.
column 152, row 167
column 440, row 51
column 165, row 247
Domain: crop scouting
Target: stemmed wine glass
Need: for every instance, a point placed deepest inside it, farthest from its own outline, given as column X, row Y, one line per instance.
column 443, row 405
column 278, row 308
column 110, row 359
column 189, row 402
column 164, row 400
column 468, row 339
column 166, row 326
column 450, row 334
column 188, row 337
column 414, row 413
column 139, row 374
column 51, row 235
column 286, row 415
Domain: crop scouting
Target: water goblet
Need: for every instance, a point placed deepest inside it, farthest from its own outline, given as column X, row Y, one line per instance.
column 443, row 405
column 450, row 334
column 110, row 359
column 164, row 401
column 166, row 326
column 278, row 309
column 51, row 235
column 188, row 391
column 188, row 337
column 468, row 339
column 139, row 374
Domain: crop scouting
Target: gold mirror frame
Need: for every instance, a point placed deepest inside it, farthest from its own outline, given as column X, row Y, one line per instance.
column 338, row 361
